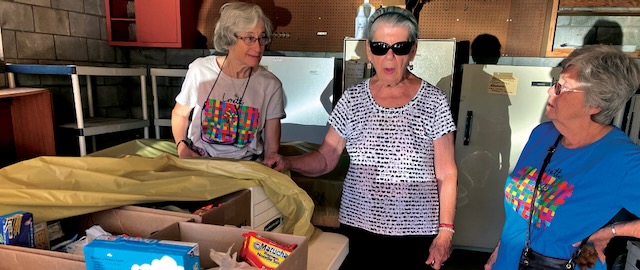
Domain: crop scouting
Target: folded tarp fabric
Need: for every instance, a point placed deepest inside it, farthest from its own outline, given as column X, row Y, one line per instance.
column 141, row 171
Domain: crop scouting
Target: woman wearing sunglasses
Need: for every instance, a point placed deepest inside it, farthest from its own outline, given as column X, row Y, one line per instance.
column 399, row 195
column 577, row 171
column 235, row 102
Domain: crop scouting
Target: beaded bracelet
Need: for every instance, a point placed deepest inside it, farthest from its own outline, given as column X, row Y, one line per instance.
column 447, row 229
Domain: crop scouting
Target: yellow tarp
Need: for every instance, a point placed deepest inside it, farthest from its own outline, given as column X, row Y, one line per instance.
column 141, row 171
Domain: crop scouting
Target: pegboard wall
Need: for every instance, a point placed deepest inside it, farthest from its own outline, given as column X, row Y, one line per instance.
column 322, row 26
column 524, row 38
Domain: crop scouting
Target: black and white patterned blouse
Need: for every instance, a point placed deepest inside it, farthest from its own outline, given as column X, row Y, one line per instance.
column 391, row 187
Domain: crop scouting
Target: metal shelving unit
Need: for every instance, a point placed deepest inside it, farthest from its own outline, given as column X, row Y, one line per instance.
column 155, row 73
column 89, row 126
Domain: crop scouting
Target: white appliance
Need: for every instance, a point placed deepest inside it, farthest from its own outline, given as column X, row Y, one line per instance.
column 499, row 106
column 632, row 119
column 308, row 88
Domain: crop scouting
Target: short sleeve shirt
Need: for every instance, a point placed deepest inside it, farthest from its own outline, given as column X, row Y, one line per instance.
column 391, row 187
column 235, row 111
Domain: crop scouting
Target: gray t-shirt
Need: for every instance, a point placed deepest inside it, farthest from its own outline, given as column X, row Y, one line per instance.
column 235, row 112
column 391, row 188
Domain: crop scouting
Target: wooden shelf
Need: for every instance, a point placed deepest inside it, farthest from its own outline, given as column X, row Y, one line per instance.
column 598, row 13
column 123, row 19
column 564, row 52
column 599, row 3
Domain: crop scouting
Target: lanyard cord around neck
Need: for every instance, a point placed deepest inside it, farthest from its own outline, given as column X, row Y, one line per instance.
column 532, row 208
column 216, row 81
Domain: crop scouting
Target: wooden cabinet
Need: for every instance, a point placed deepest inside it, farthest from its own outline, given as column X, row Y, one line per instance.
column 26, row 124
column 152, row 23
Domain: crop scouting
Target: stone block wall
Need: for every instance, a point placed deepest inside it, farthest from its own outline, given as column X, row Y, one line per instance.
column 575, row 31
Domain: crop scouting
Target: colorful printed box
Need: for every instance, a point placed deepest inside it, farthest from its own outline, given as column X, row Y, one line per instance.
column 121, row 252
column 17, row 229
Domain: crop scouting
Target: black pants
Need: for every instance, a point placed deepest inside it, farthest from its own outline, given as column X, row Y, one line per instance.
column 374, row 251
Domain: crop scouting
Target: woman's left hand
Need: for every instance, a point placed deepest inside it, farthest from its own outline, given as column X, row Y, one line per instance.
column 600, row 239
column 440, row 249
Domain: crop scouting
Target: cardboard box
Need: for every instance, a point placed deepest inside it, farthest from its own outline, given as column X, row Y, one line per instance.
column 121, row 252
column 16, row 229
column 220, row 238
column 41, row 236
column 116, row 221
column 326, row 195
column 231, row 209
column 245, row 208
column 265, row 216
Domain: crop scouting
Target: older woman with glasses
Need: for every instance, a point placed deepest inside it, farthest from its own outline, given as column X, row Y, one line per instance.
column 399, row 195
column 577, row 171
column 235, row 102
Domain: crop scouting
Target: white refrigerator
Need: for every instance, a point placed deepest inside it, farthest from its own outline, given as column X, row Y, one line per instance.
column 308, row 89
column 499, row 106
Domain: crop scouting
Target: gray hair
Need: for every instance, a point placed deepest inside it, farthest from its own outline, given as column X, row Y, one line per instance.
column 394, row 16
column 237, row 17
column 607, row 75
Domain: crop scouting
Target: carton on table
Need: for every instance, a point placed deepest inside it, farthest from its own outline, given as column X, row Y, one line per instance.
column 116, row 221
column 230, row 209
column 220, row 238
column 122, row 252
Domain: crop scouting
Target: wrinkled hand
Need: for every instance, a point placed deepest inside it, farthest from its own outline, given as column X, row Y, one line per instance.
column 600, row 239
column 277, row 162
column 440, row 250
column 186, row 152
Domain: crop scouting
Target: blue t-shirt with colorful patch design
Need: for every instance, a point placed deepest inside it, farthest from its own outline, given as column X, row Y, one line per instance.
column 580, row 191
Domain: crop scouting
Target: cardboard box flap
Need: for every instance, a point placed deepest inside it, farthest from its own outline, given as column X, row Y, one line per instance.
column 31, row 258
column 231, row 209
column 220, row 238
column 119, row 221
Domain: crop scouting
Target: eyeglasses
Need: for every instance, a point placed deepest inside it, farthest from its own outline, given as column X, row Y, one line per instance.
column 399, row 48
column 264, row 40
column 559, row 88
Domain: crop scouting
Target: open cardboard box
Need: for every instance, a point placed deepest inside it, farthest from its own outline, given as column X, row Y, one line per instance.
column 231, row 209
column 220, row 238
column 115, row 221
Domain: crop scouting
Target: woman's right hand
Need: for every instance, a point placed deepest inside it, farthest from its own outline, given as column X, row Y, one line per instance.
column 185, row 152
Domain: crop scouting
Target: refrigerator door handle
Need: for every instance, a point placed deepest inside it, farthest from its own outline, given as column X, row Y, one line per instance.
column 467, row 128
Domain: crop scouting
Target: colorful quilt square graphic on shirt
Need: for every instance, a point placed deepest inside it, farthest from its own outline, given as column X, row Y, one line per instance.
column 228, row 123
column 552, row 193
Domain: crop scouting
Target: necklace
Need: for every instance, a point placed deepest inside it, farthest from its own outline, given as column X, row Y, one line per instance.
column 236, row 88
column 237, row 100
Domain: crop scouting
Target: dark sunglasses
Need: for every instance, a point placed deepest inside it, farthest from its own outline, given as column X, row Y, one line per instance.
column 399, row 48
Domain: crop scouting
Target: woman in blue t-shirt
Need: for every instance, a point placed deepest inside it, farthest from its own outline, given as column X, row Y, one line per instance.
column 592, row 175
